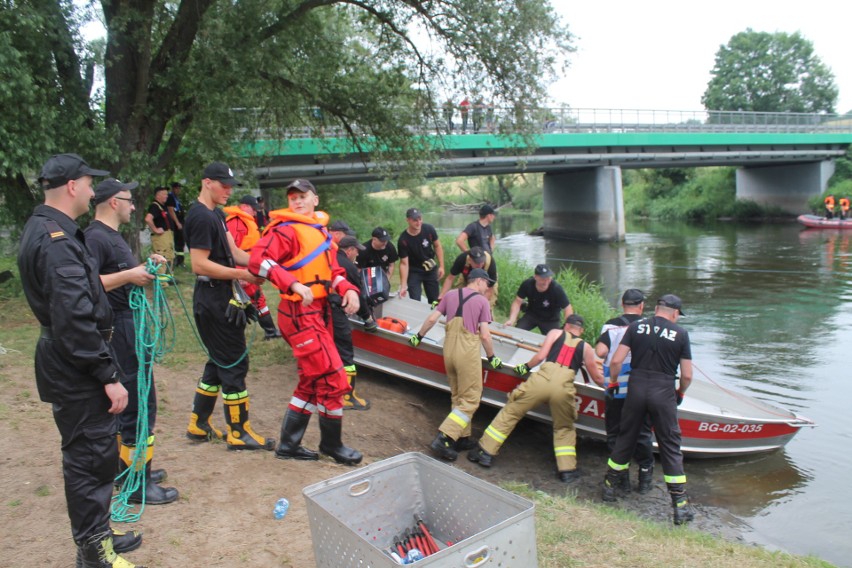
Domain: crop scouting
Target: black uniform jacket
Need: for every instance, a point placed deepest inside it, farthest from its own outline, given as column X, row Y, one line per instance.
column 73, row 357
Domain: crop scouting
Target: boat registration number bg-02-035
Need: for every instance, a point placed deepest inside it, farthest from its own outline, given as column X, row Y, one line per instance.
column 730, row 428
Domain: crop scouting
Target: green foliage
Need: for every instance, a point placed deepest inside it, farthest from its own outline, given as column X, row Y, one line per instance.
column 841, row 189
column 770, row 72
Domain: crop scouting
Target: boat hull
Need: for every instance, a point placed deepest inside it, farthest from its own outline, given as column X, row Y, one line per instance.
column 816, row 222
column 714, row 421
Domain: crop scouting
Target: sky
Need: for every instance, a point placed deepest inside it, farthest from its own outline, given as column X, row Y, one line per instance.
column 658, row 54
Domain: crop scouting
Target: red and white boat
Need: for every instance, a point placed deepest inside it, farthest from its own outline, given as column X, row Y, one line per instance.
column 817, row 222
column 715, row 421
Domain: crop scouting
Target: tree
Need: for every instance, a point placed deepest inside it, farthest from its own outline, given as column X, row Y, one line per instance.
column 184, row 80
column 770, row 72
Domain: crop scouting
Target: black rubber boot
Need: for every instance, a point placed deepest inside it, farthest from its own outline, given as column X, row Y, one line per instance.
column 612, row 480
column 98, row 552
column 624, row 482
column 465, row 443
column 481, row 457
column 269, row 329
column 240, row 434
column 153, row 493
column 646, row 479
column 682, row 510
column 121, row 542
column 292, row 430
column 331, row 443
column 200, row 429
column 444, row 446
column 351, row 401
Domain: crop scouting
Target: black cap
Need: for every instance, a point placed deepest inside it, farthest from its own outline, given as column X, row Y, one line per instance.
column 175, row 184
column 341, row 226
column 350, row 241
column 671, row 301
column 110, row 187
column 249, row 200
column 575, row 319
column 221, row 173
column 381, row 234
column 414, row 213
column 632, row 297
column 543, row 270
column 62, row 168
column 302, row 185
column 486, row 210
column 479, row 273
column 476, row 254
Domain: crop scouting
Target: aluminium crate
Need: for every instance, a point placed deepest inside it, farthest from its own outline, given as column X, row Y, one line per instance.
column 355, row 517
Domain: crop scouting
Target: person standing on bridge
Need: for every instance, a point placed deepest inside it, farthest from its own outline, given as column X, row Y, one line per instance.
column 563, row 352
column 464, row 107
column 658, row 346
column 546, row 300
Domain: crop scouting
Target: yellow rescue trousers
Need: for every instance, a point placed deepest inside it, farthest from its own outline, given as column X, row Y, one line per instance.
column 463, row 361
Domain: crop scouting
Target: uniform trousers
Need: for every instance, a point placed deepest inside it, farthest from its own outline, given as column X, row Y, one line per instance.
column 124, row 343
column 644, row 453
column 225, row 342
column 553, row 384
column 463, row 363
column 429, row 281
column 164, row 244
column 529, row 321
column 343, row 335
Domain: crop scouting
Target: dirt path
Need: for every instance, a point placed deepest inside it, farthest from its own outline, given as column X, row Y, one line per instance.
column 224, row 515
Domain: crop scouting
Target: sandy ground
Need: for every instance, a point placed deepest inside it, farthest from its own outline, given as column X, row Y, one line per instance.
column 224, row 514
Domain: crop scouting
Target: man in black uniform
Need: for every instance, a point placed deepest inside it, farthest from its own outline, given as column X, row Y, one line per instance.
column 176, row 214
column 658, row 346
column 421, row 258
column 546, row 301
column 479, row 233
column 378, row 251
column 467, row 261
column 119, row 272
column 219, row 315
column 75, row 367
column 633, row 304
column 348, row 249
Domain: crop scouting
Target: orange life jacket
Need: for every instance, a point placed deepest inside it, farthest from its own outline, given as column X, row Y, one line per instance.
column 313, row 272
column 829, row 202
column 844, row 203
column 253, row 234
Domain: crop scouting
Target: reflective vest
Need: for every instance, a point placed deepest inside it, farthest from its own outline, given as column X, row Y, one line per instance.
column 312, row 265
column 616, row 334
column 253, row 234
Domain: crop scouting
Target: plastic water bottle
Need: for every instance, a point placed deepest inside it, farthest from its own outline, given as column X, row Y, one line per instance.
column 413, row 556
column 280, row 509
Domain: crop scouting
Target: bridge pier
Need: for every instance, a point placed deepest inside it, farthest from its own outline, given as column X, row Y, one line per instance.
column 788, row 187
column 584, row 204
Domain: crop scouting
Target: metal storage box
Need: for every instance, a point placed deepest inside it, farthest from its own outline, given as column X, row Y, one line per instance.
column 354, row 517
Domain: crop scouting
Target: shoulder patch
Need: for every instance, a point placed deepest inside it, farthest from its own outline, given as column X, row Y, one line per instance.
column 54, row 230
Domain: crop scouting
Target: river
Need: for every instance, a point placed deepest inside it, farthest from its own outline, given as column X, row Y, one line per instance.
column 769, row 312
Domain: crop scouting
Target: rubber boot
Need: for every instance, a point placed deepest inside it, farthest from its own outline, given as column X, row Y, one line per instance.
column 200, row 428
column 624, row 482
column 480, row 456
column 351, row 401
column 121, row 542
column 269, row 330
column 444, row 446
column 465, row 443
column 153, row 493
column 612, row 480
column 682, row 510
column 646, row 479
column 240, row 434
column 292, row 430
column 98, row 552
column 331, row 443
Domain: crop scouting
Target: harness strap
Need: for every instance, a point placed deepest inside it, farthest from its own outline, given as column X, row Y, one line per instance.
column 462, row 300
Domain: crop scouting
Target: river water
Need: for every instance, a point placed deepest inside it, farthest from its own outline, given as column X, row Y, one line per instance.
column 769, row 312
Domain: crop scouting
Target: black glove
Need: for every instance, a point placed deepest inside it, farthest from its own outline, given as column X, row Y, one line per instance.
column 611, row 391
column 236, row 313
column 251, row 313
column 495, row 362
column 679, row 397
column 523, row 370
column 415, row 340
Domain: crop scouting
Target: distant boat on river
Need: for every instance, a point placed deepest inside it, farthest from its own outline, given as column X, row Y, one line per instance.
column 817, row 222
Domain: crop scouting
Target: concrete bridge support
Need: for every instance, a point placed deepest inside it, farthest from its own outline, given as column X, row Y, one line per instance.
column 585, row 204
column 788, row 187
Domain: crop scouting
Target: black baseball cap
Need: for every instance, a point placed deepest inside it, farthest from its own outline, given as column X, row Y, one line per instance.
column 350, row 241
column 62, row 168
column 249, row 200
column 477, row 255
column 110, row 187
column 302, row 185
column 175, row 184
column 381, row 234
column 339, row 225
column 486, row 210
column 633, row 297
column 220, row 172
column 414, row 213
column 671, row 301
column 575, row 319
column 479, row 273
column 543, row 270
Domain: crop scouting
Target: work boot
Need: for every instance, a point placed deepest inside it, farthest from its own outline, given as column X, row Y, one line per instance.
column 624, row 482
column 480, row 456
column 370, row 325
column 121, row 542
column 331, row 443
column 444, row 446
column 351, row 401
column 569, row 475
column 646, row 479
column 465, row 443
column 683, row 512
column 612, row 480
column 240, row 434
column 269, row 330
column 148, row 490
column 292, row 430
column 98, row 552
column 200, row 428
